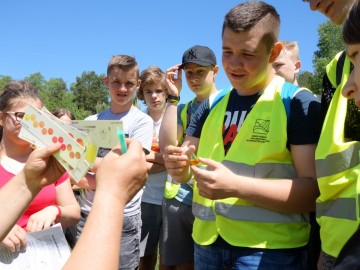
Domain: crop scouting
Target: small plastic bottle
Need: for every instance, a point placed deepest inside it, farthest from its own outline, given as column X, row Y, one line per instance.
column 194, row 160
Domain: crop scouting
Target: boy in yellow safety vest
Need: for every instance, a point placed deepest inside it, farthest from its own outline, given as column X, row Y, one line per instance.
column 200, row 69
column 337, row 177
column 256, row 179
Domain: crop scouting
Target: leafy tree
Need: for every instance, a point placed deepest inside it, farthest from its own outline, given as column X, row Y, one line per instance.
column 89, row 92
column 67, row 102
column 56, row 87
column 53, row 93
column 3, row 81
column 37, row 80
column 330, row 43
column 305, row 79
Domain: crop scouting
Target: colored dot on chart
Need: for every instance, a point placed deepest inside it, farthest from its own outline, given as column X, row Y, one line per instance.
column 35, row 124
column 63, row 147
column 33, row 117
column 71, row 135
column 54, row 139
column 71, row 154
column 69, row 147
column 80, row 141
column 50, row 131
column 27, row 117
column 61, row 140
column 44, row 131
column 77, row 155
column 41, row 124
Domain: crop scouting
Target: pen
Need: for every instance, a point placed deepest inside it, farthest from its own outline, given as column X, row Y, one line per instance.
column 121, row 136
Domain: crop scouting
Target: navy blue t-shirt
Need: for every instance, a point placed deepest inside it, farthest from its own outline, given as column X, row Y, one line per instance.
column 304, row 124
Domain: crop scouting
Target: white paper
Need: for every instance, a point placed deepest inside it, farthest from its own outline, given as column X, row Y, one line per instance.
column 46, row 250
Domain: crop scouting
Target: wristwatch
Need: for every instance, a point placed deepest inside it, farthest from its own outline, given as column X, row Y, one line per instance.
column 172, row 97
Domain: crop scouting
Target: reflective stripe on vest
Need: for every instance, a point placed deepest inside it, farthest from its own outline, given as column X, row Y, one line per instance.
column 255, row 152
column 251, row 213
column 337, row 168
column 344, row 208
column 261, row 170
column 245, row 213
column 338, row 162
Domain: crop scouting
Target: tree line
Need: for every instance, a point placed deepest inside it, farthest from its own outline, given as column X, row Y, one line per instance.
column 329, row 44
column 88, row 95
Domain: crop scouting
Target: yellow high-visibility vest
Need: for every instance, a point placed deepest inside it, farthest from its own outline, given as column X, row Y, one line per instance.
column 337, row 168
column 259, row 150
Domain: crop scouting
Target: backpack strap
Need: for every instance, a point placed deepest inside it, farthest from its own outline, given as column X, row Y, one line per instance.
column 215, row 98
column 288, row 91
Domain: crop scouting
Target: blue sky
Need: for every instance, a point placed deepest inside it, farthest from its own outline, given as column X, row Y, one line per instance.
column 61, row 39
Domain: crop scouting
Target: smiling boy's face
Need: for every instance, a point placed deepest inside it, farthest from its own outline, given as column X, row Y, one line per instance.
column 335, row 10
column 247, row 61
column 122, row 86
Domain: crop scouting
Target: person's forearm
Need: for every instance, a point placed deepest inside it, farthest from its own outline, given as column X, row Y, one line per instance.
column 282, row 195
column 159, row 158
column 15, row 197
column 102, row 229
column 70, row 215
column 155, row 168
column 168, row 130
column 155, row 158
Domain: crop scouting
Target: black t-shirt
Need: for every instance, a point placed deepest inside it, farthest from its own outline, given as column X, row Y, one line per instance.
column 304, row 124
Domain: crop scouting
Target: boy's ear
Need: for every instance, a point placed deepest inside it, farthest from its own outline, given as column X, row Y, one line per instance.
column 106, row 81
column 297, row 66
column 216, row 70
column 275, row 51
column 138, row 84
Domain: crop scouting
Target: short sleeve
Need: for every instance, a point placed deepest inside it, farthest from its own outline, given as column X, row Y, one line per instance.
column 198, row 120
column 306, row 119
column 179, row 109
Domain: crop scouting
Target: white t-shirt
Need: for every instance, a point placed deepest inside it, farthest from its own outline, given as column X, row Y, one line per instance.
column 137, row 125
column 154, row 187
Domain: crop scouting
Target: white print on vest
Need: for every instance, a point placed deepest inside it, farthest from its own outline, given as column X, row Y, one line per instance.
column 234, row 119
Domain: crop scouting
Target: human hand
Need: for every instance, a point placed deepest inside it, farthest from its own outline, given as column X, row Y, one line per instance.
column 216, row 182
column 151, row 156
column 15, row 241
column 42, row 219
column 41, row 168
column 177, row 163
column 173, row 80
column 122, row 175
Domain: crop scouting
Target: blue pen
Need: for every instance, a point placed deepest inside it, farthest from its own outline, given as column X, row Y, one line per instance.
column 121, row 136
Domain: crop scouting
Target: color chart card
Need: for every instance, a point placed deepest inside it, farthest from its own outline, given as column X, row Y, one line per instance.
column 103, row 133
column 76, row 153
